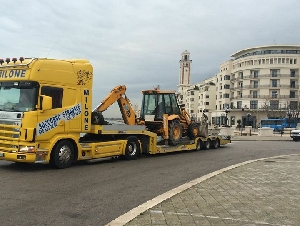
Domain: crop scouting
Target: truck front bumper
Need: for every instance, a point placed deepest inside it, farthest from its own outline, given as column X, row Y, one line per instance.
column 38, row 157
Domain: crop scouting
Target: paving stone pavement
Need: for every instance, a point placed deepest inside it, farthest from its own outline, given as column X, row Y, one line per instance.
column 263, row 192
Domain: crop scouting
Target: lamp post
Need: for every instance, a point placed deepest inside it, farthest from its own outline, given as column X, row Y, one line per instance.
column 289, row 114
column 226, row 110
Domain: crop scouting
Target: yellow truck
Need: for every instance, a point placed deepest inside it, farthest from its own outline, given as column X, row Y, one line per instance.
column 46, row 116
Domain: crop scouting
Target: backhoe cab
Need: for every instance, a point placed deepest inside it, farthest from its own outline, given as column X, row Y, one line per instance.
column 162, row 115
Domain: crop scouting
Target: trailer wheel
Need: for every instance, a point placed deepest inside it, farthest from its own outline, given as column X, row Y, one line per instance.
column 216, row 143
column 132, row 149
column 62, row 155
column 198, row 145
column 207, row 144
column 175, row 132
column 193, row 130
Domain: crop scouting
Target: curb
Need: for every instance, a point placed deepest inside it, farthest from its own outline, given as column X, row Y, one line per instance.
column 130, row 215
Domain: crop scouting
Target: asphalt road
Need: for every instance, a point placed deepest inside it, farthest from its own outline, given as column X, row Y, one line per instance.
column 96, row 193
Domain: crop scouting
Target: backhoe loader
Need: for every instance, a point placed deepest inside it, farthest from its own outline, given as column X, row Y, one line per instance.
column 159, row 112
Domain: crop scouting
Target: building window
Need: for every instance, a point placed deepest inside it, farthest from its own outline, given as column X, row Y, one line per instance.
column 255, row 74
column 293, row 73
column 255, row 84
column 293, row 105
column 254, row 94
column 274, row 104
column 253, row 104
column 274, row 73
column 274, row 82
column 232, row 120
column 226, row 95
column 206, row 96
column 274, row 94
column 206, row 103
column 226, row 86
column 292, row 94
column 239, row 105
column 292, row 84
column 279, row 60
column 227, row 77
column 271, row 61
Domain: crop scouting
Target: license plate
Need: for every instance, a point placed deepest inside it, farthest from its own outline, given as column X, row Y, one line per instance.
column 1, row 154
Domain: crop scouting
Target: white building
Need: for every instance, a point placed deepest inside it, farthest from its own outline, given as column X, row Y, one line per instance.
column 258, row 82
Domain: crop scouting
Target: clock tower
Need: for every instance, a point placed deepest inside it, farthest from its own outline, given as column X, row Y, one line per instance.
column 184, row 76
column 185, row 69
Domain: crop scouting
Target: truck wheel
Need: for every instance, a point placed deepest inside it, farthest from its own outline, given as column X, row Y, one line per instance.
column 132, row 149
column 175, row 132
column 193, row 130
column 207, row 144
column 198, row 145
column 62, row 154
column 216, row 143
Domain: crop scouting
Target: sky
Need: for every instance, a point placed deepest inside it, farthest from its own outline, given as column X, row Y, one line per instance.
column 138, row 43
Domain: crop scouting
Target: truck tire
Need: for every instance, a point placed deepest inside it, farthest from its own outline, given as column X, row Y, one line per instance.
column 132, row 149
column 193, row 130
column 199, row 145
column 207, row 144
column 62, row 155
column 175, row 132
column 216, row 143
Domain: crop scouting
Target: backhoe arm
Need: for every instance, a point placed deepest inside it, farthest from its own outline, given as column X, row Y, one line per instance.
column 116, row 95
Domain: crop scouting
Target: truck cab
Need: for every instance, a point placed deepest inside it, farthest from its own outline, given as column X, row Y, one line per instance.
column 42, row 102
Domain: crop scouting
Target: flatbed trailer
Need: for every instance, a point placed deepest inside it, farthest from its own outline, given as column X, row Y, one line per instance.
column 132, row 141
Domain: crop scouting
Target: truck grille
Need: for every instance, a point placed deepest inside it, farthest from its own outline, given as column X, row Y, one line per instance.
column 9, row 136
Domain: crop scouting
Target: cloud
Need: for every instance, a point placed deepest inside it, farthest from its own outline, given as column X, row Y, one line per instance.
column 139, row 43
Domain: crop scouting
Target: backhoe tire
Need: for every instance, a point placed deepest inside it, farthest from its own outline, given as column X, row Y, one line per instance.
column 132, row 149
column 193, row 130
column 62, row 155
column 175, row 132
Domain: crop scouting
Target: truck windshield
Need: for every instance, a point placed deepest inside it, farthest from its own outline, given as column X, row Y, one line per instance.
column 18, row 96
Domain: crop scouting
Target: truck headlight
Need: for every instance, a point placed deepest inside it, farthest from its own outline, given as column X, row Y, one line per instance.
column 27, row 149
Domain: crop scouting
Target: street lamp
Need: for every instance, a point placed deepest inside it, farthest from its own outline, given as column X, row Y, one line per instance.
column 289, row 114
column 248, row 119
column 227, row 110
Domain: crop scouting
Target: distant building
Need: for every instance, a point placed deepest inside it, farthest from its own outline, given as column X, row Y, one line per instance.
column 259, row 82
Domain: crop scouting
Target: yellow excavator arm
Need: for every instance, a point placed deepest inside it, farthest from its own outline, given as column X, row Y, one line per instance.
column 117, row 94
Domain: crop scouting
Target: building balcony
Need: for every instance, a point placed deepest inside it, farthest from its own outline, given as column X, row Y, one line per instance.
column 256, row 77
column 266, row 97
column 270, row 86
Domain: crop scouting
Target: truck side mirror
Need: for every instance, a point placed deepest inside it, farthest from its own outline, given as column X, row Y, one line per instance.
column 45, row 102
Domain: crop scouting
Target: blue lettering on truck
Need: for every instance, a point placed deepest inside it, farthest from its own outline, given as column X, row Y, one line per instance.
column 52, row 122
column 12, row 73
